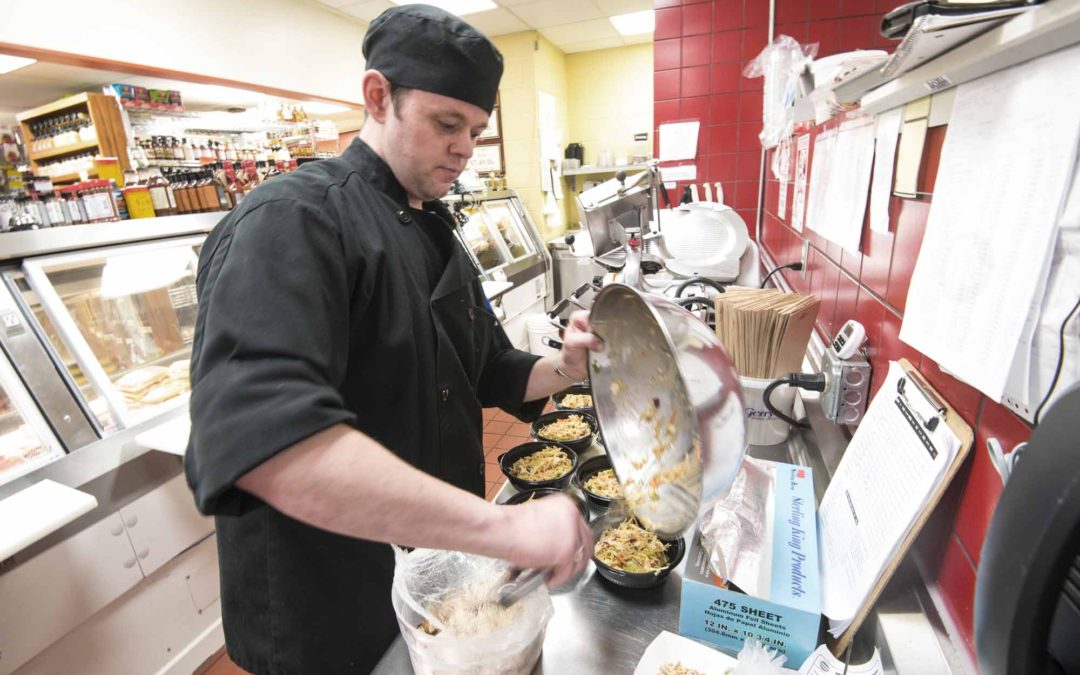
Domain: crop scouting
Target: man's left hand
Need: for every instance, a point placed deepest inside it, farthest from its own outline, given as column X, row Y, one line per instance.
column 578, row 341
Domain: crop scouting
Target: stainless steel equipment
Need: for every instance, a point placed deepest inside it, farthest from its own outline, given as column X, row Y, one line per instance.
column 669, row 403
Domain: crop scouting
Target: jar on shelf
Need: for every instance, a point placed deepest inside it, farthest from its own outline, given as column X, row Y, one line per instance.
column 98, row 201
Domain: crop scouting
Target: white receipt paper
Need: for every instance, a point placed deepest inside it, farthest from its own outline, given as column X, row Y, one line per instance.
column 1005, row 167
column 839, row 182
column 885, row 135
column 822, row 662
column 678, row 141
column 889, row 471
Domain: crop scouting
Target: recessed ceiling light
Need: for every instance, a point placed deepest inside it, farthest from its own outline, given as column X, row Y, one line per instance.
column 634, row 23
column 10, row 63
column 459, row 7
column 321, row 108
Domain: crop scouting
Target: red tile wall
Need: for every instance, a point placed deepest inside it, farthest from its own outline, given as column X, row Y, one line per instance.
column 870, row 286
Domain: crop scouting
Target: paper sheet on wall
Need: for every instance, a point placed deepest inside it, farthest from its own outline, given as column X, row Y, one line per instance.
column 885, row 135
column 840, row 180
column 784, row 170
column 798, row 200
column 678, row 141
column 888, row 473
column 1005, row 166
column 1037, row 354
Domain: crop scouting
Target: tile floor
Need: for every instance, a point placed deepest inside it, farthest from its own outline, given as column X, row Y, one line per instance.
column 501, row 432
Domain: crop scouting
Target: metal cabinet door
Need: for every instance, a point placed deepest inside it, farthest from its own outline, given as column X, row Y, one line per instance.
column 163, row 523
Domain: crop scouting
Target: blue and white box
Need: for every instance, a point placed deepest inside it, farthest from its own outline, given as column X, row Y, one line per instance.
column 784, row 612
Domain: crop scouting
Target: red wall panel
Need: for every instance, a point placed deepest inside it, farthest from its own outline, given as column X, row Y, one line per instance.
column 871, row 285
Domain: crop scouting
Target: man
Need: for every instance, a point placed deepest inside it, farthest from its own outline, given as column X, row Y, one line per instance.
column 343, row 352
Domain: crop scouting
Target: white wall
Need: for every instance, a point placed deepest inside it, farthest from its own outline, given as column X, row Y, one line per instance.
column 288, row 44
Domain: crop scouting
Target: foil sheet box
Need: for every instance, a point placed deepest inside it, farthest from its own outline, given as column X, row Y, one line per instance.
column 781, row 605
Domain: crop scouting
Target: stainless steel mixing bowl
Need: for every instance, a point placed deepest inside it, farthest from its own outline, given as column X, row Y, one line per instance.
column 669, row 405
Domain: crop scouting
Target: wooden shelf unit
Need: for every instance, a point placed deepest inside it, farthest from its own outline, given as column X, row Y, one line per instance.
column 105, row 115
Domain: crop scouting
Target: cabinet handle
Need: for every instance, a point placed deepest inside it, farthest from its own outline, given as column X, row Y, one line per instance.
column 143, row 553
column 132, row 521
column 129, row 563
column 117, row 531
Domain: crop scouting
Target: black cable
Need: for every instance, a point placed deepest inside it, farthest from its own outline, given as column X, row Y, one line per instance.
column 1060, row 361
column 699, row 281
column 814, row 382
column 797, row 266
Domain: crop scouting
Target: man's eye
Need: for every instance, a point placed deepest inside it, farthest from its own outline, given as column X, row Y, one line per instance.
column 447, row 127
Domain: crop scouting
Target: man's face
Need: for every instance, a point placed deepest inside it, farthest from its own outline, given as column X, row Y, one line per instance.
column 429, row 139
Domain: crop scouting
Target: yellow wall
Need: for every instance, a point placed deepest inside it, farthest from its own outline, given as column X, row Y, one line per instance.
column 611, row 99
column 602, row 99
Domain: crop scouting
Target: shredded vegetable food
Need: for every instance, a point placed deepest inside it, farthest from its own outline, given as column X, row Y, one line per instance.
column 545, row 464
column 632, row 549
column 569, row 428
column 576, row 401
column 471, row 611
column 605, row 484
column 677, row 668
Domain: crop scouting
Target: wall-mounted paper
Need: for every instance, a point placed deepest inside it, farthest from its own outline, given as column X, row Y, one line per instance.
column 678, row 141
column 1001, row 186
column 840, row 182
column 885, row 135
column 674, row 173
column 798, row 201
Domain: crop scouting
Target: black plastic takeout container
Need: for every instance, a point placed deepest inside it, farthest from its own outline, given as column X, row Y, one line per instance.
column 578, row 445
column 507, row 459
column 540, row 493
column 557, row 399
column 634, row 580
column 587, row 470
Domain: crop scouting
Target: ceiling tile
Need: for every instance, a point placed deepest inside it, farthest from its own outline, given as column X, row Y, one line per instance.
column 583, row 31
column 337, row 4
column 591, row 45
column 512, row 3
column 496, row 22
column 616, row 7
column 367, row 10
column 554, row 12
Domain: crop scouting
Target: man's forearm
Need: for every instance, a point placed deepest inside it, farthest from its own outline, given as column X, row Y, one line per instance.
column 545, row 381
column 343, row 481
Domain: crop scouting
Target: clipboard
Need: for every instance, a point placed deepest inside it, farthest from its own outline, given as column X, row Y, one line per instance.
column 964, row 433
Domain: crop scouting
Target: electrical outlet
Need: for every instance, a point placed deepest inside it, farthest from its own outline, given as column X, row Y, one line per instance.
column 805, row 257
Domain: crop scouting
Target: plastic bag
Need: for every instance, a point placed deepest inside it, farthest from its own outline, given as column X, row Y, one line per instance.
column 781, row 63
column 734, row 529
column 425, row 580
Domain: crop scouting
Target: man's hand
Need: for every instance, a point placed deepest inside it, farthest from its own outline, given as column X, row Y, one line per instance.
column 547, row 534
column 578, row 341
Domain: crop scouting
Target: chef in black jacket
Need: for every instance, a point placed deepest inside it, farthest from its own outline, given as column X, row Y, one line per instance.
column 343, row 351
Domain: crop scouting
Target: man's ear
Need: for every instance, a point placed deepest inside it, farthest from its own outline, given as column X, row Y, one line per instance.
column 376, row 95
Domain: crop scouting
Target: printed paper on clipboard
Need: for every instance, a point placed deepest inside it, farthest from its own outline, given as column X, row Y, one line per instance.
column 889, row 472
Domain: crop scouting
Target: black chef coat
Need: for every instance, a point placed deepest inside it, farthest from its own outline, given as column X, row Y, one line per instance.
column 323, row 301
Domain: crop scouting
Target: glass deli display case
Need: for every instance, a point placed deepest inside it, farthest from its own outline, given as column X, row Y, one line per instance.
column 121, row 321
column 26, row 441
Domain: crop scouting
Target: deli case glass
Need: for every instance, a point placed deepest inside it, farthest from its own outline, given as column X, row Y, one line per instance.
column 26, row 441
column 121, row 320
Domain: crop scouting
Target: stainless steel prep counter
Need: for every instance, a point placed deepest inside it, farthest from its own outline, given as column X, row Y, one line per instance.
column 597, row 628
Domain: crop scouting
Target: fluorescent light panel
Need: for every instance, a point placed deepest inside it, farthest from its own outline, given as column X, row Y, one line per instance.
column 634, row 23
column 10, row 63
column 458, row 7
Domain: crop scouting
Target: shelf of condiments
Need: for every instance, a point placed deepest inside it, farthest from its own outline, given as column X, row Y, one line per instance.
column 61, row 131
column 169, row 150
column 147, row 193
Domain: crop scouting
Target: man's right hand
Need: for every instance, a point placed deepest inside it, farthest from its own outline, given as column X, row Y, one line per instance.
column 547, row 534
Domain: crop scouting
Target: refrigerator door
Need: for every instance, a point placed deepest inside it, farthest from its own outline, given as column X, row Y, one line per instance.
column 122, row 321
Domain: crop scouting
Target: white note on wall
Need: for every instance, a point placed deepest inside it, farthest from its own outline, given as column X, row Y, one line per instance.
column 1005, row 166
column 889, row 472
column 885, row 135
column 798, row 200
column 784, row 169
column 678, row 141
column 839, row 182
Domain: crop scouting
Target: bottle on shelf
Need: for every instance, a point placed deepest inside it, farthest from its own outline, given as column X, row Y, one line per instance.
column 160, row 193
column 180, row 192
